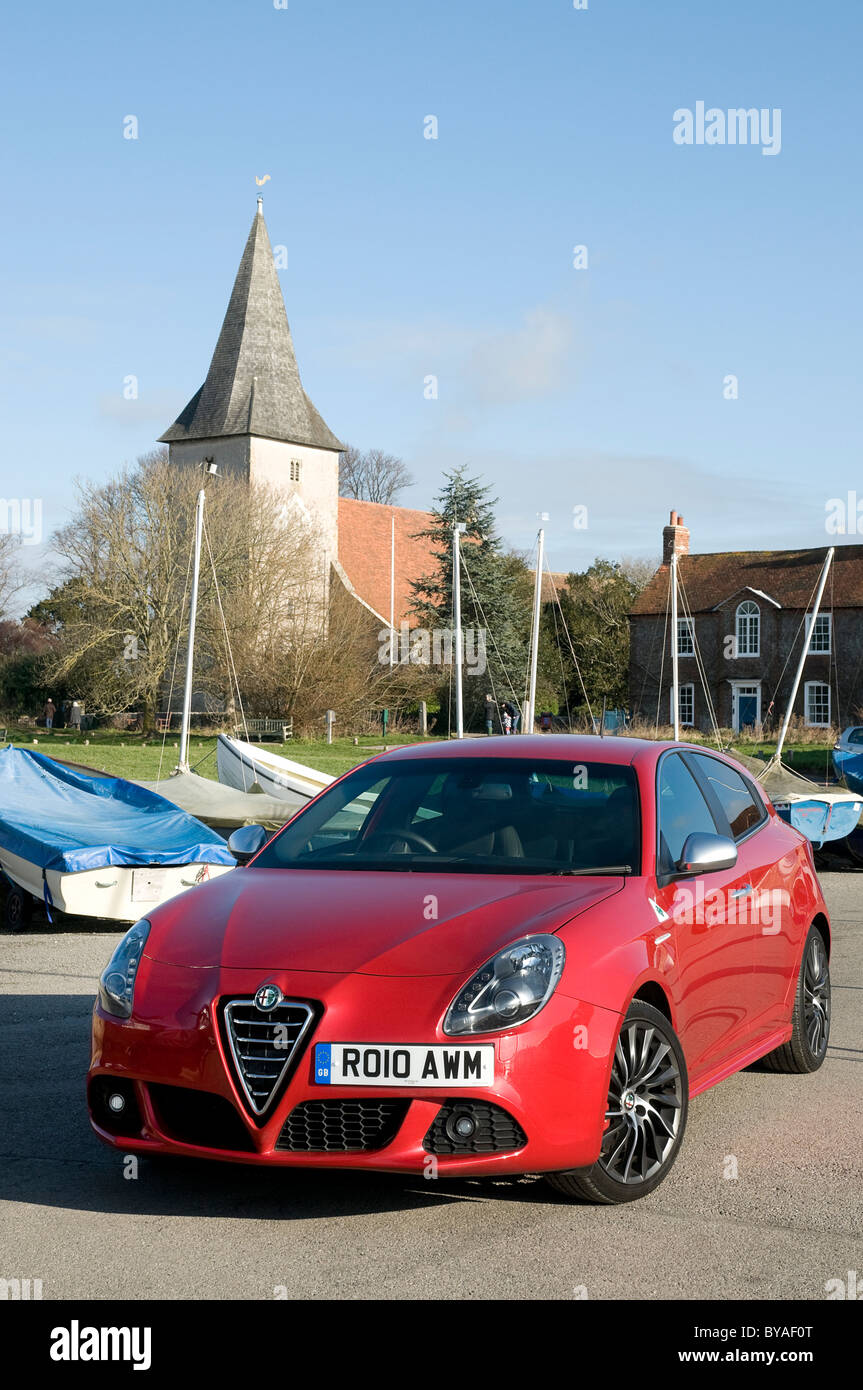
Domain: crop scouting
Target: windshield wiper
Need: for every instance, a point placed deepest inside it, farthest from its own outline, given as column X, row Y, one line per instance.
column 600, row 869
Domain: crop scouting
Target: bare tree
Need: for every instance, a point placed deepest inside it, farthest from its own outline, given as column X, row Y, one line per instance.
column 638, row 570
column 122, row 610
column 11, row 578
column 372, row 476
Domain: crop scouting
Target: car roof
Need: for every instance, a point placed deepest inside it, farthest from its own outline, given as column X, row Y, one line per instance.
column 563, row 747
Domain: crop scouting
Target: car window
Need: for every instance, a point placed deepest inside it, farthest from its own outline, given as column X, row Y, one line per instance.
column 856, row 736
column 737, row 800
column 682, row 810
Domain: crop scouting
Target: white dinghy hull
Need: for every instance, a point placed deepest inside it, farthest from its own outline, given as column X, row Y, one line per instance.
column 241, row 765
column 118, row 893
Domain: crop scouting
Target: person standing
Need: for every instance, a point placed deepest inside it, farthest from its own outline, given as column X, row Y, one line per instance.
column 507, row 719
column 489, row 714
column 75, row 716
column 49, row 712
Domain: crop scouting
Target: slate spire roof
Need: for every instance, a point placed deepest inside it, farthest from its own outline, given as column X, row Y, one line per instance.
column 253, row 385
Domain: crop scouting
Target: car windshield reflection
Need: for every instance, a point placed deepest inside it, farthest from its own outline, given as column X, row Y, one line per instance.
column 469, row 815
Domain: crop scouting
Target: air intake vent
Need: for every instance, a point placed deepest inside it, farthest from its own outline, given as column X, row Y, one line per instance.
column 264, row 1045
column 339, row 1126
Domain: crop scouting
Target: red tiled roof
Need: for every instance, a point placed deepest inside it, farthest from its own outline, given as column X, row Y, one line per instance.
column 788, row 577
column 364, row 553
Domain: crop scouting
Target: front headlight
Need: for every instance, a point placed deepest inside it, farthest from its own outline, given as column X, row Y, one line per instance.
column 509, row 989
column 117, row 981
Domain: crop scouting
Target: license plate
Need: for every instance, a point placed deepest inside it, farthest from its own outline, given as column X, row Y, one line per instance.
column 148, row 885
column 391, row 1064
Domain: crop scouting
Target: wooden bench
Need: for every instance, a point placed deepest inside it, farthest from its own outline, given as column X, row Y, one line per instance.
column 282, row 729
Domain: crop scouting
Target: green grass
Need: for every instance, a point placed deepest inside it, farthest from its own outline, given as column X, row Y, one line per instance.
column 128, row 755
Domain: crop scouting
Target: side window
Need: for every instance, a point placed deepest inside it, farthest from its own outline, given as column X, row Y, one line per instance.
column 739, row 803
column 681, row 810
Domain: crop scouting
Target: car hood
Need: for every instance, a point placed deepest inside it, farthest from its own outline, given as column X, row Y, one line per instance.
column 376, row 923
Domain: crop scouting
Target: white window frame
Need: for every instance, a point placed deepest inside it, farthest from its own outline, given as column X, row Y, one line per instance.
column 822, row 618
column 807, row 699
column 685, row 636
column 752, row 611
column 747, row 688
column 684, row 686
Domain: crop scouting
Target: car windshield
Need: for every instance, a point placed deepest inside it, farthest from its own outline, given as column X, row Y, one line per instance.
column 469, row 815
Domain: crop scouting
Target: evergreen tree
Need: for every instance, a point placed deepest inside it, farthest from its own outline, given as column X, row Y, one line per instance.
column 595, row 607
column 495, row 598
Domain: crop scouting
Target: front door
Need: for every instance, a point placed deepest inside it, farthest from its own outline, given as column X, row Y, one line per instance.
column 746, row 703
column 712, row 938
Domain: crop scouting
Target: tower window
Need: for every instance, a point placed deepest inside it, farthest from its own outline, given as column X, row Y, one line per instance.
column 296, row 468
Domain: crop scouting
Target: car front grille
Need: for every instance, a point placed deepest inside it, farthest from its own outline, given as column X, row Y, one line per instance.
column 265, row 1046
column 340, row 1126
column 495, row 1130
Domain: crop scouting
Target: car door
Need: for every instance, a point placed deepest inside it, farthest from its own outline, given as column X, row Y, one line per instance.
column 713, row 950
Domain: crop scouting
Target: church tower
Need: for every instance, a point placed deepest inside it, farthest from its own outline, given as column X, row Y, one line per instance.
column 252, row 415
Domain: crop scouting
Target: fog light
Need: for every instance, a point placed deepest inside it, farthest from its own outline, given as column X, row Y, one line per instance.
column 116, row 1102
column 461, row 1126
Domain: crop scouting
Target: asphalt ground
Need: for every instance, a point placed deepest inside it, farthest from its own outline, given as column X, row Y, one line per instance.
column 763, row 1202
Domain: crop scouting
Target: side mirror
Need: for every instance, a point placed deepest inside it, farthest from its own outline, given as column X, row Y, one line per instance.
column 245, row 842
column 705, row 854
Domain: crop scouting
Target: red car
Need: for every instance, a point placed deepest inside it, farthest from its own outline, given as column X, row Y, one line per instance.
column 474, row 958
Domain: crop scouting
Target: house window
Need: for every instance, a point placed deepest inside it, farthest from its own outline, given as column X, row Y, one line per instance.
column 685, row 704
column 296, row 468
column 817, row 704
column 748, row 629
column 820, row 633
column 685, row 637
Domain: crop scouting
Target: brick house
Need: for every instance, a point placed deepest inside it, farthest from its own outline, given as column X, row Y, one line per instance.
column 747, row 610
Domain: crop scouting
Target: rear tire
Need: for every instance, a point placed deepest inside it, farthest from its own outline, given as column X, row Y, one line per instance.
column 648, row 1099
column 19, row 909
column 810, row 1018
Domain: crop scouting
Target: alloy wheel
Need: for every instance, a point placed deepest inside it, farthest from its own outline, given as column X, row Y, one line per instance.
column 816, row 997
column 645, row 1101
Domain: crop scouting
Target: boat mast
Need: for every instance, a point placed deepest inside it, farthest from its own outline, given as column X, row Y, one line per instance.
column 803, row 655
column 392, row 587
column 530, row 712
column 456, row 612
column 675, row 699
column 183, row 761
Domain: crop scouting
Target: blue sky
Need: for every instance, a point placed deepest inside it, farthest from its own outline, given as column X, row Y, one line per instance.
column 409, row 257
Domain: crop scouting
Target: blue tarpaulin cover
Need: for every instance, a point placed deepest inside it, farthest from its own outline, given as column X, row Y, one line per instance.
column 61, row 819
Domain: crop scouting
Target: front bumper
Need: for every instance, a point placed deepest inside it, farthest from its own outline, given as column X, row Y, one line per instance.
column 551, row 1074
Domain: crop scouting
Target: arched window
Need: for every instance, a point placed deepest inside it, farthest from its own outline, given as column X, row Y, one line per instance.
column 748, row 629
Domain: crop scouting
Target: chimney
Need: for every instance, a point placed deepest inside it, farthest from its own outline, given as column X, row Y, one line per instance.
column 675, row 538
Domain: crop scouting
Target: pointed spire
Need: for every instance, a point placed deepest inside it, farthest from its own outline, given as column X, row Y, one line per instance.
column 253, row 385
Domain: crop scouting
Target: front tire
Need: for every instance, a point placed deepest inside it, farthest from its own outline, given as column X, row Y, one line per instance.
column 648, row 1100
column 810, row 1018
